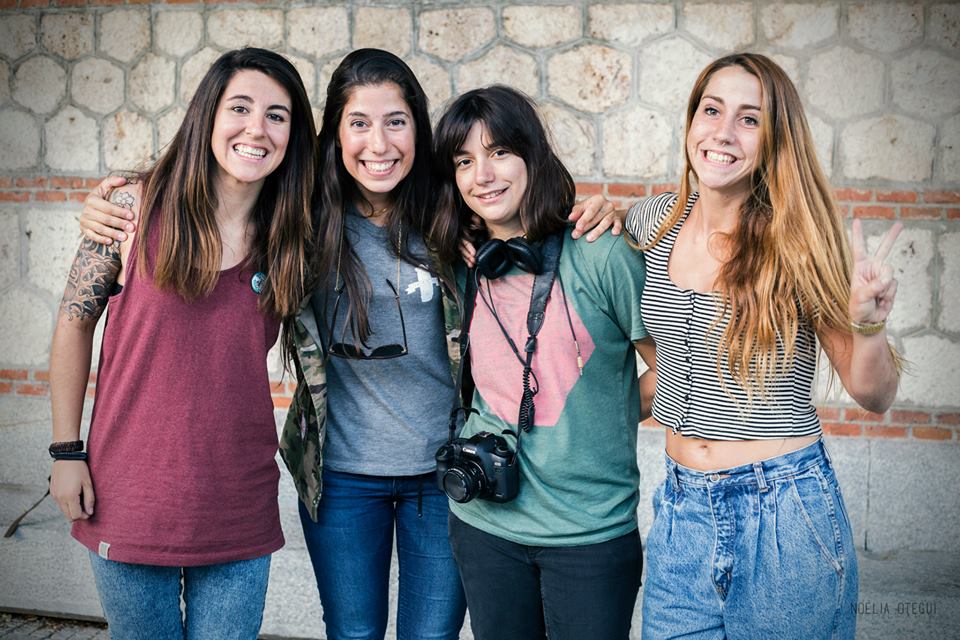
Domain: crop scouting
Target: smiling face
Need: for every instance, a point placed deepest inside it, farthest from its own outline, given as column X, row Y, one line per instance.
column 492, row 182
column 723, row 140
column 251, row 129
column 377, row 140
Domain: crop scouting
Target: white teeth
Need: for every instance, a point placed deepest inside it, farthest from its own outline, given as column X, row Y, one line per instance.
column 249, row 152
column 491, row 195
column 721, row 158
column 378, row 167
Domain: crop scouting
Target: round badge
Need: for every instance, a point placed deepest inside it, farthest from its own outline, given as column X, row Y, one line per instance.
column 256, row 282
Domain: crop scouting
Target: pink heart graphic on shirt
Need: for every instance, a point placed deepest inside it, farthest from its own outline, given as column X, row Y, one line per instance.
column 497, row 372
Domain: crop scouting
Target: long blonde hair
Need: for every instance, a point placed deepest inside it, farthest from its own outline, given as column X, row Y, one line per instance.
column 789, row 261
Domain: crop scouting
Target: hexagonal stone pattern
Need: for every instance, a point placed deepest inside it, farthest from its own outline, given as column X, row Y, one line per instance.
column 18, row 35
column 40, row 84
column 885, row 27
column 193, row 70
column 167, row 126
column 938, row 354
column 910, row 259
column 52, row 239
column 308, row 73
column 926, row 83
column 234, row 28
column 949, row 246
column 822, row 134
column 725, row 26
column 177, row 32
column 636, row 143
column 629, row 24
column 4, row 83
column 67, row 34
column 843, row 83
column 434, row 80
column 151, row 83
column 9, row 247
column 943, row 27
column 318, row 31
column 541, row 26
column 498, row 64
column 451, row 34
column 72, row 141
column 668, row 70
column 797, row 26
column 326, row 72
column 950, row 149
column 891, row 147
column 127, row 141
column 789, row 64
column 124, row 33
column 590, row 77
column 573, row 139
column 26, row 325
column 97, row 84
column 380, row 28
column 18, row 131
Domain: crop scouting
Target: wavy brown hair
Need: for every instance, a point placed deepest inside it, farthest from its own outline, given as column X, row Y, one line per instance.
column 180, row 188
column 789, row 260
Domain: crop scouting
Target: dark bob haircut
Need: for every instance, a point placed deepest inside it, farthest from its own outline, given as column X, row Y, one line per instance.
column 512, row 123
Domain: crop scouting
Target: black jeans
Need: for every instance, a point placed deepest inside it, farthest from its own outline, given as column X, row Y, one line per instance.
column 518, row 592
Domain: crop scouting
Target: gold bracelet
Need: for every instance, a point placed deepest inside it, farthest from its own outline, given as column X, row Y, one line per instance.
column 867, row 328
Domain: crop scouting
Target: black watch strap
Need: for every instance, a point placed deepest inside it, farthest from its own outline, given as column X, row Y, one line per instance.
column 67, row 450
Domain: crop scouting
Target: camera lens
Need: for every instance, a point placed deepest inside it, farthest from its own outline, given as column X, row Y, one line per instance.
column 463, row 483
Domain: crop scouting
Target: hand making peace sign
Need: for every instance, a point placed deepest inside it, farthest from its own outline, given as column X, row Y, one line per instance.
column 872, row 285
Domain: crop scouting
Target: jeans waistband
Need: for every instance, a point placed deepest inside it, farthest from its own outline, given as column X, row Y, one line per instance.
column 759, row 473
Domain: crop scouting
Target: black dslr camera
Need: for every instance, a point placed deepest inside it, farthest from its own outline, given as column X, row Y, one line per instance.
column 481, row 466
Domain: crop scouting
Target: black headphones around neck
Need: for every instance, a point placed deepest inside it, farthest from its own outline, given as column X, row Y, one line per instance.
column 496, row 257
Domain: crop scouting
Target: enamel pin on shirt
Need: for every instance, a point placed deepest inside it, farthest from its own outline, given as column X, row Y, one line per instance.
column 256, row 282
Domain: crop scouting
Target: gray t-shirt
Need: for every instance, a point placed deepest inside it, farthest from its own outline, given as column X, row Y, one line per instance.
column 387, row 417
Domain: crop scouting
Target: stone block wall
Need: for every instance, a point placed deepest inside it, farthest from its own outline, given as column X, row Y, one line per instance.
column 93, row 86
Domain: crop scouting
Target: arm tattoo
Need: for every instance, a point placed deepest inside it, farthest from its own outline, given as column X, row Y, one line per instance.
column 92, row 276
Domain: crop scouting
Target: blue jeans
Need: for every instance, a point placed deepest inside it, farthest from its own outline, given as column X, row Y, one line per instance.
column 351, row 544
column 758, row 551
column 222, row 601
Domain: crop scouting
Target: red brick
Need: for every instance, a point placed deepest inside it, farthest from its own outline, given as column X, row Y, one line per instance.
column 948, row 418
column 105, row 2
column 13, row 374
column 66, row 182
column 92, row 183
column 626, row 189
column 42, row 376
column 879, row 431
column 953, row 214
column 91, row 392
column 663, row 188
column 31, row 182
column 92, row 378
column 78, row 196
column 28, row 389
column 828, row 413
column 50, row 196
column 909, row 417
column 14, row 196
column 856, row 414
column 589, row 188
column 8, row 4
column 874, row 211
column 841, row 429
column 941, row 197
column 5, row 182
column 897, row 196
column 6, row 387
column 843, row 210
column 927, row 213
column 25, row 4
column 932, row 433
column 281, row 402
column 856, row 195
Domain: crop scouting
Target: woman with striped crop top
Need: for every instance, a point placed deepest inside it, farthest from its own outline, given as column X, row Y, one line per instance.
column 745, row 273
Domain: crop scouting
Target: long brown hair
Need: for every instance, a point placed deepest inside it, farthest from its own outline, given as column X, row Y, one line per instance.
column 789, row 260
column 181, row 188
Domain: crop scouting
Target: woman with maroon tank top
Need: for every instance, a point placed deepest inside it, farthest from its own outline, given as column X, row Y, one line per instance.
column 182, row 441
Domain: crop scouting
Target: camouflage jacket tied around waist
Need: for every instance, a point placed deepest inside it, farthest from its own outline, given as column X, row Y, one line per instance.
column 301, row 441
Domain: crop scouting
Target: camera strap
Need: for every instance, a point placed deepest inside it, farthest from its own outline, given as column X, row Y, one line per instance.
column 539, row 296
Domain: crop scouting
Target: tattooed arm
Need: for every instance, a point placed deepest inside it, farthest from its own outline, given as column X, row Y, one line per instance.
column 93, row 274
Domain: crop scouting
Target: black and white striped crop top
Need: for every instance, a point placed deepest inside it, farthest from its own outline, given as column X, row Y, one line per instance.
column 689, row 397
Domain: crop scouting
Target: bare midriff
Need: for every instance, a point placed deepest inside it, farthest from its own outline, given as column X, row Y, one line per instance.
column 717, row 455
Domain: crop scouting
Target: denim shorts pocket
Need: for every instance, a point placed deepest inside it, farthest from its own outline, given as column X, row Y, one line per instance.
column 817, row 508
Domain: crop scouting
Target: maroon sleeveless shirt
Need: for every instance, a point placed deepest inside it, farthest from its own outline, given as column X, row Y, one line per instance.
column 182, row 441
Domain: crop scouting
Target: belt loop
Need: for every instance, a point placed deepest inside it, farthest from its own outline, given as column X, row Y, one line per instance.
column 761, row 481
column 826, row 454
column 674, row 475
